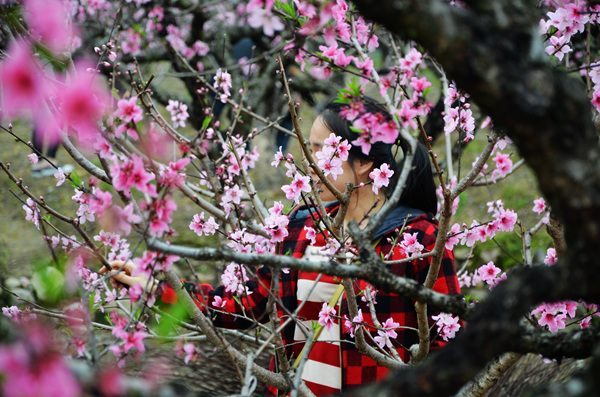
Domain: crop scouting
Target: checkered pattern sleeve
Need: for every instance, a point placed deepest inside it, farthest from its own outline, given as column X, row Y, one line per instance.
column 225, row 310
column 360, row 370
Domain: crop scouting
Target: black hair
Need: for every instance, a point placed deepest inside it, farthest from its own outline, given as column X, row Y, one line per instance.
column 419, row 190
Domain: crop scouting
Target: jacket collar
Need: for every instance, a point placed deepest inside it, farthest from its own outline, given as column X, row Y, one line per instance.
column 395, row 219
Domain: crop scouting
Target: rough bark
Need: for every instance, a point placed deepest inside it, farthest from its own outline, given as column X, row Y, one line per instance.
column 495, row 54
column 488, row 377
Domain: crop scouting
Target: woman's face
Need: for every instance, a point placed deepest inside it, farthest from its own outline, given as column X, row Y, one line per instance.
column 318, row 133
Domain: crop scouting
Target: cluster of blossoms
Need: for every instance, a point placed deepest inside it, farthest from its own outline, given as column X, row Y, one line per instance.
column 447, row 325
column 170, row 175
column 176, row 38
column 99, row 202
column 159, row 214
column 410, row 246
column 351, row 326
column 32, row 367
column 276, row 223
column 460, row 116
column 32, row 212
column 326, row 316
column 244, row 241
column 381, row 177
column 234, row 279
column 386, row 333
column 504, row 164
column 236, row 159
column 154, row 22
column 566, row 21
column 131, row 42
column 371, row 127
column 179, row 113
column 128, row 112
column 188, row 349
column 332, row 24
column 131, row 173
column 504, row 221
column 223, row 82
column 81, row 102
column 336, row 55
column 17, row 315
column 260, row 16
column 88, row 279
column 200, row 226
column 554, row 315
column 563, row 23
column 151, row 262
column 69, row 243
column 85, row 212
column 130, row 338
column 232, row 195
column 231, row 153
column 333, row 246
column 300, row 184
column 332, row 155
column 489, row 273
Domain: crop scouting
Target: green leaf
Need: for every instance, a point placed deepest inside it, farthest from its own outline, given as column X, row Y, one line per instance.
column 205, row 123
column 49, row 284
column 287, row 8
column 287, row 209
column 357, row 130
column 168, row 323
column 354, row 89
column 91, row 302
column 115, row 93
column 315, row 326
column 75, row 181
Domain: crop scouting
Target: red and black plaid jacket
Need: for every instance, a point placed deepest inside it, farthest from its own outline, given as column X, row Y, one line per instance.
column 356, row 369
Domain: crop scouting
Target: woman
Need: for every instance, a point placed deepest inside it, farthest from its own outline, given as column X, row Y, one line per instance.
column 334, row 364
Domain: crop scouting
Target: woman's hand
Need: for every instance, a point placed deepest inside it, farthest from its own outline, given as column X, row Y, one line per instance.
column 121, row 276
